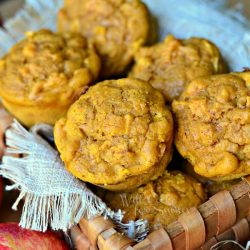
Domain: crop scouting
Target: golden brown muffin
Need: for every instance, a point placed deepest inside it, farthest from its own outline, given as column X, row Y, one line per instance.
column 161, row 201
column 44, row 74
column 187, row 168
column 169, row 66
column 118, row 135
column 213, row 131
column 212, row 187
column 116, row 27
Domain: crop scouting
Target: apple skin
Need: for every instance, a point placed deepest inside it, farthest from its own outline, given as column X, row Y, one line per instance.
column 13, row 237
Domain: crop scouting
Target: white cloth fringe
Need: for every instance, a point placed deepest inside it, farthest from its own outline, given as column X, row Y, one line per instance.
column 52, row 196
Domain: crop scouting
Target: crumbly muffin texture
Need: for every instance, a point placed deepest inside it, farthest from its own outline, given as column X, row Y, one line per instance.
column 212, row 187
column 117, row 28
column 170, row 65
column 47, row 71
column 117, row 135
column 213, row 131
column 161, row 201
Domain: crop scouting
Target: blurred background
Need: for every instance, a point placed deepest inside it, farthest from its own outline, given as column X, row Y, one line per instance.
column 9, row 7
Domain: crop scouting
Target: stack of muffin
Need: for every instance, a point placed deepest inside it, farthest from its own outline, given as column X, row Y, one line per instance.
column 118, row 134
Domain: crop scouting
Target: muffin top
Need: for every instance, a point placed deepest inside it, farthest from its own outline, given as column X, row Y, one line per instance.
column 213, row 131
column 169, row 66
column 116, row 27
column 47, row 68
column 118, row 129
column 160, row 201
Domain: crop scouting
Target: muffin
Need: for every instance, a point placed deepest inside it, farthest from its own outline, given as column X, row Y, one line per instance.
column 169, row 66
column 188, row 169
column 117, row 28
column 118, row 135
column 212, row 187
column 213, row 131
column 161, row 201
column 44, row 74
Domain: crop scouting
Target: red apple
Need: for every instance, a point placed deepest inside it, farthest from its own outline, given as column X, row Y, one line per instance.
column 14, row 237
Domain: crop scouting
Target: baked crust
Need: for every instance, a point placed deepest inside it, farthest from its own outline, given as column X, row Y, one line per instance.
column 117, row 29
column 44, row 74
column 213, row 131
column 117, row 135
column 169, row 66
column 160, row 201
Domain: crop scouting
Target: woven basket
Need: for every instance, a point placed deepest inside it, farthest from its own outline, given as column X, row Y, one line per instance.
column 225, row 216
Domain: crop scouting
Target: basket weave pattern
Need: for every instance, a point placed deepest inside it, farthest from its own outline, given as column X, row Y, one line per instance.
column 226, row 215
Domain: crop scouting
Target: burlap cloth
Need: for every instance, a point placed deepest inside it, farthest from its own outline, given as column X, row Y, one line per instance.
column 52, row 196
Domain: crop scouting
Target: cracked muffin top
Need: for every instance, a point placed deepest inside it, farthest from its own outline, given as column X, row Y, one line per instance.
column 160, row 201
column 169, row 66
column 117, row 135
column 213, row 125
column 117, row 28
column 47, row 68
